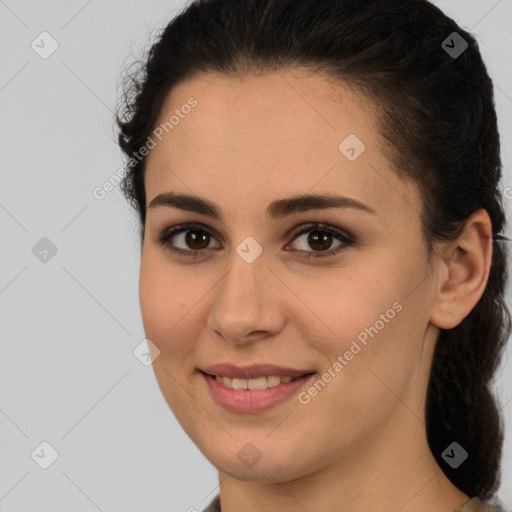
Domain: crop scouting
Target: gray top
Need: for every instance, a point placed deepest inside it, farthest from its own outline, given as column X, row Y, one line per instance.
column 472, row 505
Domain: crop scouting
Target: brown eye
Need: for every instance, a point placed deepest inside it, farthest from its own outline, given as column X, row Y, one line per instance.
column 197, row 239
column 186, row 239
column 193, row 240
column 321, row 238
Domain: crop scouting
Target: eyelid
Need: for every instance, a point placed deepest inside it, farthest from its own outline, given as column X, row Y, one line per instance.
column 346, row 238
column 164, row 236
column 320, row 226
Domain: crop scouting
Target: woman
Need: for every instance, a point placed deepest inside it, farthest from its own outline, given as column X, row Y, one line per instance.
column 323, row 272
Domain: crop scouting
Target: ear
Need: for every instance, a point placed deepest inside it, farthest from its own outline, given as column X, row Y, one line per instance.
column 463, row 272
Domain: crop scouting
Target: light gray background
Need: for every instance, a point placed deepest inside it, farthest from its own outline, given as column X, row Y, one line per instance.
column 68, row 375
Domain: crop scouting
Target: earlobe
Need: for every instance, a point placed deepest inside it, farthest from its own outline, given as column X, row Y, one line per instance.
column 465, row 270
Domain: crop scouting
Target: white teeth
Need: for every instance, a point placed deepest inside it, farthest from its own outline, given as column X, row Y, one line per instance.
column 253, row 384
column 273, row 380
column 239, row 383
column 259, row 383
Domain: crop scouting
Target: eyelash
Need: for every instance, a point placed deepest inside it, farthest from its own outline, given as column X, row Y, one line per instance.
column 347, row 239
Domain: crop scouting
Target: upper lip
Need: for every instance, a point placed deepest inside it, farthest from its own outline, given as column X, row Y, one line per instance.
column 252, row 371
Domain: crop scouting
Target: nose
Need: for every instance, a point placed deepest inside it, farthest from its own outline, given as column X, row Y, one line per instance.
column 248, row 304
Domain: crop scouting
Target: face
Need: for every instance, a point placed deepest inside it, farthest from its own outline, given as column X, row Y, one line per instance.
column 341, row 291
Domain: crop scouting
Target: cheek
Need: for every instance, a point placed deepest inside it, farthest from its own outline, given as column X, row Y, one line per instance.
column 162, row 299
column 366, row 318
column 340, row 306
column 373, row 351
column 151, row 295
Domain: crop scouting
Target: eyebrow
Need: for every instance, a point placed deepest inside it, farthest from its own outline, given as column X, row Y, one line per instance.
column 275, row 210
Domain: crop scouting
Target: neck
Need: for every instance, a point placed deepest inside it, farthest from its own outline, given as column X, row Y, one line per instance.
column 369, row 478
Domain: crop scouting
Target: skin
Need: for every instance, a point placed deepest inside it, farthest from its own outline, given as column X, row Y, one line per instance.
column 360, row 444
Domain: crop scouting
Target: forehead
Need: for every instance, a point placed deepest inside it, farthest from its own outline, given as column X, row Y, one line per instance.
column 295, row 111
column 269, row 135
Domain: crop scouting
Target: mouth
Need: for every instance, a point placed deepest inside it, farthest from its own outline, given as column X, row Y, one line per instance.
column 256, row 394
column 257, row 383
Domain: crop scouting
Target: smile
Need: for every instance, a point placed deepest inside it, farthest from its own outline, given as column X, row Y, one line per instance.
column 256, row 394
column 253, row 384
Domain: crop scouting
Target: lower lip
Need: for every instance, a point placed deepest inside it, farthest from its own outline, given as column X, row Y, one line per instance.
column 248, row 400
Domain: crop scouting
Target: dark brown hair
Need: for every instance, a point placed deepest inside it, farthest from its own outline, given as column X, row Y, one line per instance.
column 435, row 110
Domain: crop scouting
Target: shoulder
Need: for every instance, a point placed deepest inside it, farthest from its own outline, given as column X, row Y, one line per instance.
column 475, row 504
column 472, row 505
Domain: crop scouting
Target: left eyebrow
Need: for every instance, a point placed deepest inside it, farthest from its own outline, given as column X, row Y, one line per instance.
column 275, row 210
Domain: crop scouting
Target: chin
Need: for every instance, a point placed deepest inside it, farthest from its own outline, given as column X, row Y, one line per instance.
column 276, row 466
